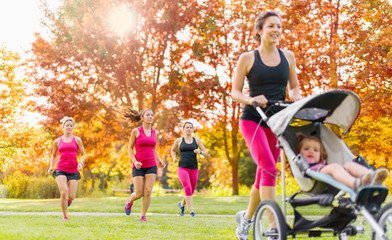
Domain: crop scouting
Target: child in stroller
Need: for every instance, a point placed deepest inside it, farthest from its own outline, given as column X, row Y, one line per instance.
column 351, row 174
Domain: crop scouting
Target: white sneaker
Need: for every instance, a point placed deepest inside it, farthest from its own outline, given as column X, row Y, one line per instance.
column 243, row 226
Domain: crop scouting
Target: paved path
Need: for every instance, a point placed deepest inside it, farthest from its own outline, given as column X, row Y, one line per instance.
column 103, row 214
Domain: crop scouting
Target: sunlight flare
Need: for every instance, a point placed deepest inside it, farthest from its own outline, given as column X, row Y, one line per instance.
column 122, row 20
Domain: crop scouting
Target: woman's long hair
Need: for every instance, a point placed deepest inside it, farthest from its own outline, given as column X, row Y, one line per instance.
column 133, row 115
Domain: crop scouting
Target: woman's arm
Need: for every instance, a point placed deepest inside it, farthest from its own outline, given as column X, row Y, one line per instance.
column 202, row 150
column 132, row 141
column 81, row 148
column 239, row 78
column 174, row 149
column 157, row 157
column 54, row 155
column 294, row 92
column 243, row 67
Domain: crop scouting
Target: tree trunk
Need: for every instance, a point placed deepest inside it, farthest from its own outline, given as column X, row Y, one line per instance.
column 234, row 174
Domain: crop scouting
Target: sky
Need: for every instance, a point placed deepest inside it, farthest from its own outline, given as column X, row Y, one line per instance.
column 19, row 19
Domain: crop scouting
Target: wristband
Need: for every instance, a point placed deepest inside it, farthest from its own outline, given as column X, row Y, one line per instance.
column 201, row 152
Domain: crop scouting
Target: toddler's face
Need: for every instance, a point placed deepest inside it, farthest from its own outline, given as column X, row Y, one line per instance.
column 311, row 151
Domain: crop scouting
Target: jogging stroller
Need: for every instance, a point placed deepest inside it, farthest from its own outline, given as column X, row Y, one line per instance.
column 339, row 108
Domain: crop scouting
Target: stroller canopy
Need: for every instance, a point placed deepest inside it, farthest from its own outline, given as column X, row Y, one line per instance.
column 338, row 107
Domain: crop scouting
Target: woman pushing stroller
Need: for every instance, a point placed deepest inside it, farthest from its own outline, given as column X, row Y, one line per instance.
column 351, row 174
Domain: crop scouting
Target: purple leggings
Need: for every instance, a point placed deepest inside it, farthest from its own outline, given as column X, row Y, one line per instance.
column 188, row 178
column 263, row 150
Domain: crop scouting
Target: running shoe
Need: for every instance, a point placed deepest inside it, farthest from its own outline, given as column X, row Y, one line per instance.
column 128, row 208
column 243, row 226
column 69, row 202
column 65, row 218
column 193, row 214
column 143, row 218
column 379, row 176
column 182, row 209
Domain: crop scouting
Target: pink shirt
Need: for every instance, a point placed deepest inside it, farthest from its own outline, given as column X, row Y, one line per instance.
column 68, row 154
column 316, row 166
column 144, row 147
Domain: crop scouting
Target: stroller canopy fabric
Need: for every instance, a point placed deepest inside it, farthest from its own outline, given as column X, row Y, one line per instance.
column 338, row 107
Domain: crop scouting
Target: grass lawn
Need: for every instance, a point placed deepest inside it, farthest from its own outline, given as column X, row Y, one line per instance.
column 166, row 204
column 118, row 227
column 128, row 227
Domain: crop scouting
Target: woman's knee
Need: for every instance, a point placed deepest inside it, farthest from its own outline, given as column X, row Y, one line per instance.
column 64, row 193
column 188, row 191
column 147, row 192
column 71, row 196
column 138, row 194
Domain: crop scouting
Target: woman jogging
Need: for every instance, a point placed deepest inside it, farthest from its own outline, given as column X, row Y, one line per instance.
column 189, row 147
column 144, row 161
column 269, row 70
column 67, row 169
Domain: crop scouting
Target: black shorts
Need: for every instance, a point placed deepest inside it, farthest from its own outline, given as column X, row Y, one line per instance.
column 70, row 176
column 143, row 171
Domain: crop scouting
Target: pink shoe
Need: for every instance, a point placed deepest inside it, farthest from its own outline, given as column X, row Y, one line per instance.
column 65, row 218
column 143, row 218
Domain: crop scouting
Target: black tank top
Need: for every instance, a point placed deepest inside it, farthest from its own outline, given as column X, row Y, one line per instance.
column 187, row 156
column 268, row 81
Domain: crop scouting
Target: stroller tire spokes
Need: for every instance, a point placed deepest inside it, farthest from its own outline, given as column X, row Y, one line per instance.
column 269, row 222
column 384, row 219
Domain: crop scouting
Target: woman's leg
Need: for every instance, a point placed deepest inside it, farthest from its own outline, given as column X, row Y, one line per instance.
column 149, row 180
column 253, row 202
column 185, row 179
column 262, row 145
column 138, row 183
column 193, row 174
column 63, row 188
column 73, row 187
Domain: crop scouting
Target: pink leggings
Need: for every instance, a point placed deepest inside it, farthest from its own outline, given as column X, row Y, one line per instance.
column 188, row 178
column 263, row 150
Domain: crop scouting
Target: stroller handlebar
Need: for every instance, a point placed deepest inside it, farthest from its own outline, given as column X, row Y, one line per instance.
column 279, row 103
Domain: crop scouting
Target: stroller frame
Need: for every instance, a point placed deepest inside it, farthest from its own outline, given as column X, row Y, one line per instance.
column 342, row 109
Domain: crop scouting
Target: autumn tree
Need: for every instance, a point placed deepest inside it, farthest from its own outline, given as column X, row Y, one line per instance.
column 88, row 71
column 22, row 146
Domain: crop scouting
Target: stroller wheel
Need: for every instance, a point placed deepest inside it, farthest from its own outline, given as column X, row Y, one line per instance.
column 384, row 219
column 269, row 222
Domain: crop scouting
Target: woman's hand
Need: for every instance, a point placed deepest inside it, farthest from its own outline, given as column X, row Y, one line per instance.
column 174, row 160
column 261, row 100
column 138, row 165
column 50, row 171
column 197, row 151
column 80, row 166
column 162, row 164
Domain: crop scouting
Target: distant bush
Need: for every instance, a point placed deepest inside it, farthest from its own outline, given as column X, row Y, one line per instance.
column 16, row 184
column 19, row 185
column 42, row 188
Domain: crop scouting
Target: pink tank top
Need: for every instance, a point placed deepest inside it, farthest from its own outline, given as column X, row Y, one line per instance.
column 68, row 154
column 144, row 147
